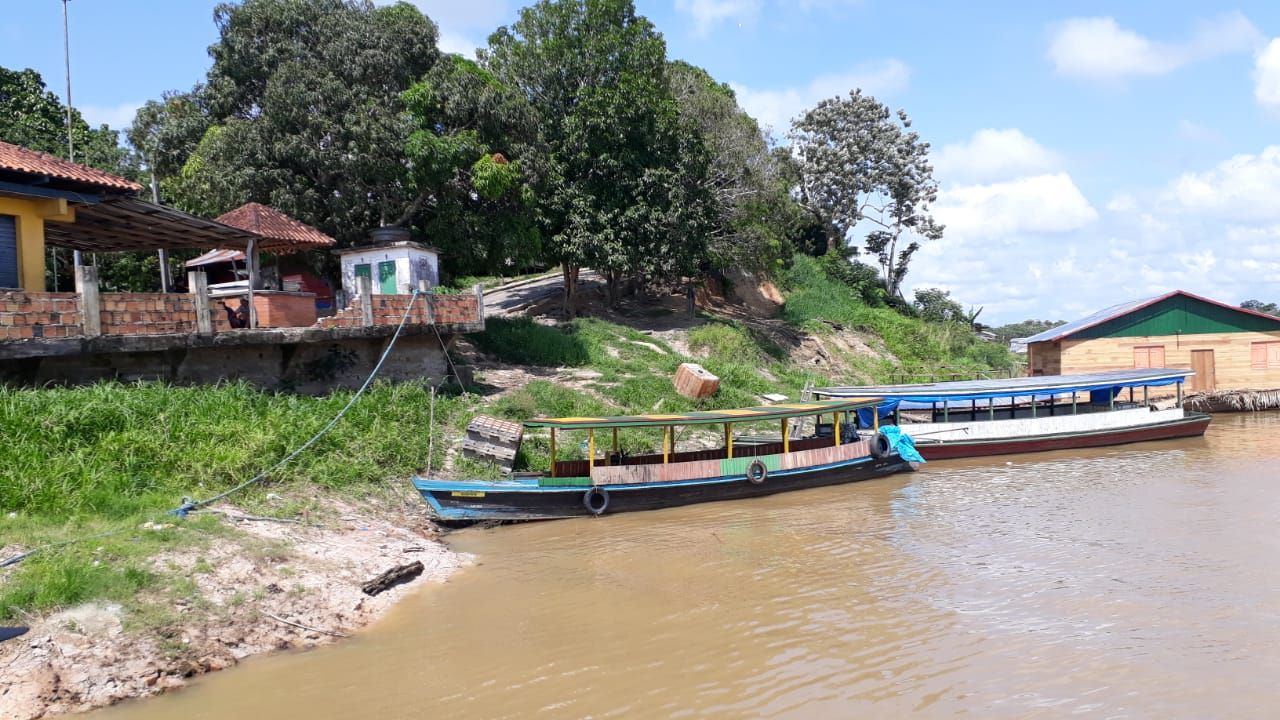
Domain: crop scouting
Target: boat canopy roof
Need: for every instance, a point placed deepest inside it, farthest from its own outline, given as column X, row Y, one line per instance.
column 711, row 417
column 1014, row 387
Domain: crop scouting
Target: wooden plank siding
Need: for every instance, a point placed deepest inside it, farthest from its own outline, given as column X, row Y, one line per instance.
column 1238, row 364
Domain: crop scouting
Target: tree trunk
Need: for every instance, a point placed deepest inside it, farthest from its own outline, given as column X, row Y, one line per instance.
column 570, row 273
column 612, row 280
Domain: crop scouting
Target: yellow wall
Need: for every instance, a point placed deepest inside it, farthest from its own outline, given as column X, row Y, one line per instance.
column 31, row 214
column 1231, row 354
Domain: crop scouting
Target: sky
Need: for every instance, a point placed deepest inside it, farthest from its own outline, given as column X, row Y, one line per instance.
column 1089, row 153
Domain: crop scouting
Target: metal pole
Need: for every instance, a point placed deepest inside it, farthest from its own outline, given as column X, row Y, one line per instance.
column 71, row 145
column 553, row 452
column 166, row 282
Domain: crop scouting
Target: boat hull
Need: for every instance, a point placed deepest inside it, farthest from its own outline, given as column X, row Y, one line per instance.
column 1191, row 425
column 526, row 500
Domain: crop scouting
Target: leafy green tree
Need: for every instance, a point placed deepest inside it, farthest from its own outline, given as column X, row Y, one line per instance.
column 1262, row 307
column 1026, row 328
column 754, row 214
column 863, row 167
column 464, row 157
column 305, row 113
column 936, row 305
column 35, row 118
column 617, row 184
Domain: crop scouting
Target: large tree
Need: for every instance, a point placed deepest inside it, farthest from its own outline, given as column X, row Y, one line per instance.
column 617, row 182
column 35, row 118
column 305, row 113
column 465, row 157
column 747, row 182
column 863, row 167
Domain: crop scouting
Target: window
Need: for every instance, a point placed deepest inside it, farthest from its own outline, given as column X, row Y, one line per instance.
column 1148, row 356
column 1265, row 355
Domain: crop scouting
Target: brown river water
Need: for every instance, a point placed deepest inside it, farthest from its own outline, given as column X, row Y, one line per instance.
column 1131, row 582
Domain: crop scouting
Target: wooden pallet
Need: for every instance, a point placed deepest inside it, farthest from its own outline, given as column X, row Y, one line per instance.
column 492, row 440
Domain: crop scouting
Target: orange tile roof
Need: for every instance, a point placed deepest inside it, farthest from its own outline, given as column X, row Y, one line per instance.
column 280, row 231
column 19, row 159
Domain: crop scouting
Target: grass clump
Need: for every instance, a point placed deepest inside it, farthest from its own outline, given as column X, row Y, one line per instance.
column 524, row 342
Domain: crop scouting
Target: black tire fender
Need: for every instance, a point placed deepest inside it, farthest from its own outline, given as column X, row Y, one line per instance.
column 881, row 448
column 596, row 500
column 757, row 472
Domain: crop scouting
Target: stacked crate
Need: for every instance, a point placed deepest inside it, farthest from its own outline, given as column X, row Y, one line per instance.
column 694, row 382
column 492, row 440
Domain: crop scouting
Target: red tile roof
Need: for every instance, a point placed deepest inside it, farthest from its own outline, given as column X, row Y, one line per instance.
column 19, row 159
column 280, row 231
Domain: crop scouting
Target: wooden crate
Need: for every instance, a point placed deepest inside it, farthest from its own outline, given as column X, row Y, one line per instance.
column 493, row 440
column 694, row 382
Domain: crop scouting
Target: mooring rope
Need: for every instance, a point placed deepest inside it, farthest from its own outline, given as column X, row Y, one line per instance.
column 189, row 504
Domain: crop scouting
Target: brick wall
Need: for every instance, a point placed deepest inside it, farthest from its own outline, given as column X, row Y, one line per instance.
column 388, row 309
column 147, row 313
column 284, row 309
column 38, row 315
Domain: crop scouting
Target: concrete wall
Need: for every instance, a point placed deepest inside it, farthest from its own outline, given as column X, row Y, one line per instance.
column 31, row 215
column 308, row 368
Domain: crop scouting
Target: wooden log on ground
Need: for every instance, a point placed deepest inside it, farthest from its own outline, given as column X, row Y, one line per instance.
column 395, row 576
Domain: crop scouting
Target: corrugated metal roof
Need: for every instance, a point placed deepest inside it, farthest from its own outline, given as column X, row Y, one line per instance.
column 24, row 160
column 1006, row 387
column 216, row 256
column 1115, row 311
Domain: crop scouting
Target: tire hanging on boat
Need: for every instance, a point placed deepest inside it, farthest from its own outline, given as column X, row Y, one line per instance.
column 757, row 472
column 596, row 500
column 881, row 448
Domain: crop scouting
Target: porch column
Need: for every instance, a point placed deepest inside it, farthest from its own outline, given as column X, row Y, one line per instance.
column 90, row 305
column 251, row 264
column 198, row 285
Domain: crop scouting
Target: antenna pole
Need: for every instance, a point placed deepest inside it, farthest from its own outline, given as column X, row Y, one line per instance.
column 71, row 145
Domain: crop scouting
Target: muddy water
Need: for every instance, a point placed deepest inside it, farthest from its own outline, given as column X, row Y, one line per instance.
column 1128, row 582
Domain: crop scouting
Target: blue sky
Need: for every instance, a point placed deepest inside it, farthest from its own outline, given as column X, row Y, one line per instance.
column 1089, row 153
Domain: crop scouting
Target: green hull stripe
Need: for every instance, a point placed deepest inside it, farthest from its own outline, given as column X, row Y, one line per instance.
column 738, row 466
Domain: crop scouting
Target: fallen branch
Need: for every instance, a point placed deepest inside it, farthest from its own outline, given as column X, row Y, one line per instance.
column 300, row 625
column 395, row 576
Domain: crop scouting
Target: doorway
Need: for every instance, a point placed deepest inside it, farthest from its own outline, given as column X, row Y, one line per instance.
column 1205, row 379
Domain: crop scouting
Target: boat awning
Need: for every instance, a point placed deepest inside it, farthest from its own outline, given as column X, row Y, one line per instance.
column 1015, row 387
column 711, row 417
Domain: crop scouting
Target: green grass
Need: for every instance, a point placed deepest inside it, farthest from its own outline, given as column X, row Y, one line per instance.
column 525, row 342
column 814, row 297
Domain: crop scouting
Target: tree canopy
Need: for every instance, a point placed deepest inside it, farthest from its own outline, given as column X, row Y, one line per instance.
column 34, row 117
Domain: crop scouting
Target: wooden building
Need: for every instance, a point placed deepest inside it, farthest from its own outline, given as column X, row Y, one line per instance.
column 1229, row 348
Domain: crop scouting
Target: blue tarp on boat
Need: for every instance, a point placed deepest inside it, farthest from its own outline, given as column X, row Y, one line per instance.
column 902, row 444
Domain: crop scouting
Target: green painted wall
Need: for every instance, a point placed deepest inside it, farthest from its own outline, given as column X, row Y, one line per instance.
column 1179, row 314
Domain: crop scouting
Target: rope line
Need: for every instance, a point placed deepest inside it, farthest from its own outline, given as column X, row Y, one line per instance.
column 189, row 504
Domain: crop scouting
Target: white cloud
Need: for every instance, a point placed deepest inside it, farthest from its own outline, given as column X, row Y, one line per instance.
column 993, row 155
column 776, row 108
column 1241, row 187
column 1097, row 48
column 1266, row 76
column 1035, row 204
column 119, row 117
column 459, row 14
column 454, row 43
column 708, row 13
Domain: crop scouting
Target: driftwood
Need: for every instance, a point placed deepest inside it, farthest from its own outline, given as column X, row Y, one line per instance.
column 300, row 625
column 395, row 576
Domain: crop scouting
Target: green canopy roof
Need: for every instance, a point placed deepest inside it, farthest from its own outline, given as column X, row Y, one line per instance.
column 710, row 417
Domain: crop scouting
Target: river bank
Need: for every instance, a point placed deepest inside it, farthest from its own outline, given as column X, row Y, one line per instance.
column 256, row 586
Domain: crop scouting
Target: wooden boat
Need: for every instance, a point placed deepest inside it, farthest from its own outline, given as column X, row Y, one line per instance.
column 1031, row 414
column 615, row 482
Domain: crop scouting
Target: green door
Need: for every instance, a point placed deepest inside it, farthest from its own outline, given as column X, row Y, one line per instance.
column 364, row 271
column 387, row 277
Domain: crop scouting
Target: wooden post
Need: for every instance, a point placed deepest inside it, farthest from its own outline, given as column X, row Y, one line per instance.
column 875, row 416
column 553, row 452
column 90, row 305
column 1179, row 384
column 786, row 435
column 591, row 449
column 198, row 286
column 1145, row 402
column 728, row 440
column 666, row 444
column 251, row 262
column 835, row 423
column 364, row 289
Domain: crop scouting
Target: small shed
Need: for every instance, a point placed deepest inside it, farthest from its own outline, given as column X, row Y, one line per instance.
column 393, row 263
column 1228, row 347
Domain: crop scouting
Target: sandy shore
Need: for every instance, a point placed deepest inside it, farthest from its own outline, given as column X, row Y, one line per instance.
column 309, row 574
